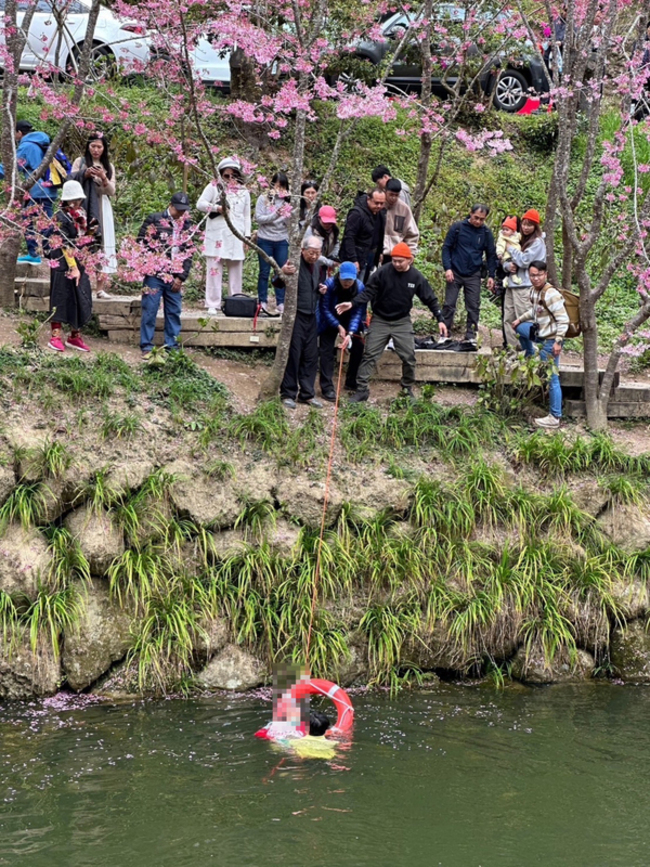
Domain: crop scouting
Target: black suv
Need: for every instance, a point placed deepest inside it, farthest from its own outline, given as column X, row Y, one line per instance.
column 510, row 80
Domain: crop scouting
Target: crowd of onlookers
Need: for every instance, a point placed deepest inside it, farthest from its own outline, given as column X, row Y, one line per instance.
column 345, row 267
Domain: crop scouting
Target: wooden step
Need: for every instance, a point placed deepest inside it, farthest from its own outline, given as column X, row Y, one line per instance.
column 615, row 408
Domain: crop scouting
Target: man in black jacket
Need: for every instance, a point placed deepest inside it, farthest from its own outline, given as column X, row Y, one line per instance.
column 467, row 242
column 302, row 365
column 363, row 238
column 165, row 234
column 390, row 292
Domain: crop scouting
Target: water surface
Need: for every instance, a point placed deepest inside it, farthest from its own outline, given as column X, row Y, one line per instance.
column 454, row 776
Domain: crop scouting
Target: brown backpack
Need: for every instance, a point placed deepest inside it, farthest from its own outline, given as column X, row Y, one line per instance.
column 572, row 307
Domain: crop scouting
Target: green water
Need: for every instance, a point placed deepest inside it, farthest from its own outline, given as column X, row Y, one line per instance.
column 451, row 776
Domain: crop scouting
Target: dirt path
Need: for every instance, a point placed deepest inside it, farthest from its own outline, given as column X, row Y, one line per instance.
column 243, row 380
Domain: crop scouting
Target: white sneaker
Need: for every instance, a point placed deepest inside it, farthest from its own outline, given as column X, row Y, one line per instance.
column 548, row 421
column 390, row 345
column 280, row 309
column 212, row 311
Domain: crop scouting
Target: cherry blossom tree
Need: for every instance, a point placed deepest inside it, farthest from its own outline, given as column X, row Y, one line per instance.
column 63, row 100
column 603, row 212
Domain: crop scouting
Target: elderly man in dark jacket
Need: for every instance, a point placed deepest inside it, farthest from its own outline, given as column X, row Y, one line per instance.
column 363, row 238
column 165, row 234
column 463, row 252
column 302, row 365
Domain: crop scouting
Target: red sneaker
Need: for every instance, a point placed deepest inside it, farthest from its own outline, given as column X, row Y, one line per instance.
column 56, row 344
column 77, row 343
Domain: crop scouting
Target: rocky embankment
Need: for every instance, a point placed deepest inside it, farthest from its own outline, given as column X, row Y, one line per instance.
column 132, row 576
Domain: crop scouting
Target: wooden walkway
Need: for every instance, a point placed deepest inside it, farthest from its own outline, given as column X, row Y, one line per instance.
column 119, row 318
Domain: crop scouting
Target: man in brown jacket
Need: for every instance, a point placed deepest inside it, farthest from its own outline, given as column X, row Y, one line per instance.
column 400, row 224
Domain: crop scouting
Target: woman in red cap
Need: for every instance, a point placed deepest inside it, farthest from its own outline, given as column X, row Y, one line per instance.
column 518, row 284
column 324, row 226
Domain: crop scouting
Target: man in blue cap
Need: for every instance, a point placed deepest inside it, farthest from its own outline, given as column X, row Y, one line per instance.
column 349, row 326
column 166, row 234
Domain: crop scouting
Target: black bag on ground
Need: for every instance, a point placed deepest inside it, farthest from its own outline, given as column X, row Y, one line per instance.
column 244, row 306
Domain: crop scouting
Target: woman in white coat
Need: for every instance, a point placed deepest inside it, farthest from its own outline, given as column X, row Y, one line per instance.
column 221, row 246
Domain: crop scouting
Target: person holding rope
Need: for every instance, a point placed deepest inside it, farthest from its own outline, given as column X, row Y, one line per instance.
column 348, row 326
column 390, row 292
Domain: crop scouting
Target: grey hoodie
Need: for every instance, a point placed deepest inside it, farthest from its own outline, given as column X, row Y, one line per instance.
column 272, row 225
column 522, row 259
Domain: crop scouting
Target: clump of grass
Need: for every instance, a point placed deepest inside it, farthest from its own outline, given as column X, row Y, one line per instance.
column 182, row 386
column 220, row 470
column 625, row 490
column 54, row 458
column 167, row 635
column 119, row 426
column 266, row 426
column 68, row 561
column 98, row 493
column 255, row 517
column 51, row 614
column 25, row 504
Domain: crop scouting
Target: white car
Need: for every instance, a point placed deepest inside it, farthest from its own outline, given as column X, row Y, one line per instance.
column 117, row 44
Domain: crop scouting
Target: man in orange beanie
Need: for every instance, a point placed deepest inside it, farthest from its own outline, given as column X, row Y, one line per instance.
column 390, row 292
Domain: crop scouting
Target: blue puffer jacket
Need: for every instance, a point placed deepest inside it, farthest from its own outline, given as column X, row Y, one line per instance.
column 29, row 154
column 352, row 320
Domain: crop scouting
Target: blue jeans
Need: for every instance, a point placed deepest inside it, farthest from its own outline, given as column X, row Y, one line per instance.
column 545, row 352
column 32, row 233
column 279, row 250
column 172, row 309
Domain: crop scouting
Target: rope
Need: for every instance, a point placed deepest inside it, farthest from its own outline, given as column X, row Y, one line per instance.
column 314, row 596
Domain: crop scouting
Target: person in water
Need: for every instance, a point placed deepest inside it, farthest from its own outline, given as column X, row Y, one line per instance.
column 315, row 745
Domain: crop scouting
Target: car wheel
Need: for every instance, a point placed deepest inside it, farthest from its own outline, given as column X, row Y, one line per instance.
column 511, row 91
column 102, row 62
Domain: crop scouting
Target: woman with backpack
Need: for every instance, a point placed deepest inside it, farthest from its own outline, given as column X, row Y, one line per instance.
column 518, row 285
column 71, row 298
column 96, row 174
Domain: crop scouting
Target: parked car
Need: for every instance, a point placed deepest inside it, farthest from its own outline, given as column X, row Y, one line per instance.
column 510, row 80
column 117, row 44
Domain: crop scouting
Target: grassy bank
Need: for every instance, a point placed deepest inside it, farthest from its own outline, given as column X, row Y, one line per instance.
column 478, row 540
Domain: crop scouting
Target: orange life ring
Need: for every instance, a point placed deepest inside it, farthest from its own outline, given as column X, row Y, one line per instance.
column 315, row 686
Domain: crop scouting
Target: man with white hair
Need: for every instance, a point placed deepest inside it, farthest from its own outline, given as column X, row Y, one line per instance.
column 300, row 373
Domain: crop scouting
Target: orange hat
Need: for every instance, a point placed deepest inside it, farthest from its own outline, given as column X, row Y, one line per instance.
column 532, row 215
column 510, row 223
column 402, row 250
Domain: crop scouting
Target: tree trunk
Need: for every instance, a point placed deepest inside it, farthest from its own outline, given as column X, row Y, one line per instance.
column 567, row 259
column 8, row 254
column 596, row 412
column 271, row 384
column 550, row 220
column 426, row 139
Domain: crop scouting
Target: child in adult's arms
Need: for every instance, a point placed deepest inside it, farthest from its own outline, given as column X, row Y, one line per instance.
column 70, row 291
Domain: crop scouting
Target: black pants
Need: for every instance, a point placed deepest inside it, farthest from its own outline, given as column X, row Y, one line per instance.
column 327, row 354
column 300, row 373
column 471, row 286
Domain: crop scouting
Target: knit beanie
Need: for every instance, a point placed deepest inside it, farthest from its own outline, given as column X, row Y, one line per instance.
column 402, row 250
column 532, row 215
column 510, row 223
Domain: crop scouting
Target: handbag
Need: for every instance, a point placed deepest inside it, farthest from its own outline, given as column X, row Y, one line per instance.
column 244, row 306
